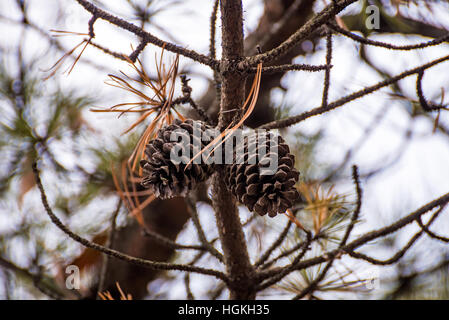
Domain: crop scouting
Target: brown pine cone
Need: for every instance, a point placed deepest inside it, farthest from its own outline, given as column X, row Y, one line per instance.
column 165, row 177
column 272, row 192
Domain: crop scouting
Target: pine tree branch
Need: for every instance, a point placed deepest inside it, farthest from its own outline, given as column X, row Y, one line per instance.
column 145, row 36
column 274, row 277
column 427, row 106
column 238, row 266
column 276, row 274
column 386, row 45
column 320, row 19
column 284, row 254
column 276, row 243
column 356, row 95
column 431, row 233
column 170, row 243
column 116, row 254
column 212, row 50
column 398, row 255
column 44, row 285
column 213, row 22
column 191, row 205
column 187, row 98
column 109, row 244
column 290, row 67
column 327, row 73
column 310, row 289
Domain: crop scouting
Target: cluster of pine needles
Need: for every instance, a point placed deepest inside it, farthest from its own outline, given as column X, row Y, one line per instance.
column 156, row 104
column 108, row 296
column 159, row 105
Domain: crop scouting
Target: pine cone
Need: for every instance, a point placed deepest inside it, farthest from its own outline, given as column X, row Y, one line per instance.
column 165, row 177
column 248, row 180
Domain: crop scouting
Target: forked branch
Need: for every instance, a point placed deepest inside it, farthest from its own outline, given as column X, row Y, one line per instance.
column 286, row 122
column 146, row 37
column 116, row 254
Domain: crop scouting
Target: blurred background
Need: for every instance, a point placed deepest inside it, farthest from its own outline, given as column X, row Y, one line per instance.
column 402, row 152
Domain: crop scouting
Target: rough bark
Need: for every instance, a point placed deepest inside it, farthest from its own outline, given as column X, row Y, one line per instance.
column 273, row 12
column 230, row 230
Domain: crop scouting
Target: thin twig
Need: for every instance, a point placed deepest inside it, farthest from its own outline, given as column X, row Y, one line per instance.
column 217, row 291
column 279, row 273
column 189, row 293
column 381, row 44
column 187, row 95
column 39, row 282
column 212, row 51
column 359, row 144
column 278, row 26
column 356, row 95
column 327, row 73
column 422, row 99
column 133, row 56
column 398, row 255
column 213, row 23
column 170, row 243
column 314, row 284
column 116, row 254
column 430, row 233
column 313, row 24
column 355, row 215
column 274, row 245
column 53, row 41
column 201, row 235
column 109, row 244
column 114, row 54
column 284, row 254
column 275, row 278
column 290, row 67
